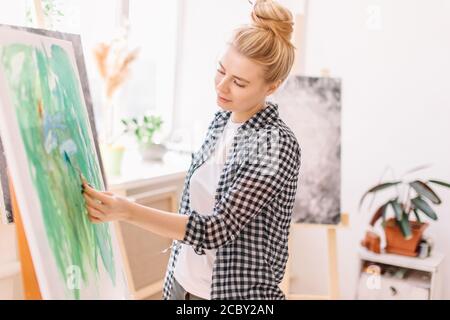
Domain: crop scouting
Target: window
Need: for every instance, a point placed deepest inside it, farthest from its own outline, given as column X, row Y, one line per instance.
column 152, row 27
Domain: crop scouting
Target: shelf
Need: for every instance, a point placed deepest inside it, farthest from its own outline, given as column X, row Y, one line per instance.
column 137, row 173
column 429, row 264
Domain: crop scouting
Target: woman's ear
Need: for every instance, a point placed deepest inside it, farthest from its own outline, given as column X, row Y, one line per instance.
column 273, row 87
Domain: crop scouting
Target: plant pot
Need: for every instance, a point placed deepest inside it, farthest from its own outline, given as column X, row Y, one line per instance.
column 396, row 242
column 112, row 156
column 152, row 152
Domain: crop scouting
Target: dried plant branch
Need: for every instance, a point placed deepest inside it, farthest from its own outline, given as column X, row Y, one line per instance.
column 101, row 53
column 113, row 63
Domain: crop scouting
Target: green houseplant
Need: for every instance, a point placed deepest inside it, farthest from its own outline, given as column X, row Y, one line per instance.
column 411, row 198
column 144, row 129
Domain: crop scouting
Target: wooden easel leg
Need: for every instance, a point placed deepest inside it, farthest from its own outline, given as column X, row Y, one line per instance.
column 39, row 13
column 29, row 280
column 333, row 280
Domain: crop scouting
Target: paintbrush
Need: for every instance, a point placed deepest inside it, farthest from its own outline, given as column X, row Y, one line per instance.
column 74, row 166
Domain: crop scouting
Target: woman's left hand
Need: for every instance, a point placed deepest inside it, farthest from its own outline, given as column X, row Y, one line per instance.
column 105, row 206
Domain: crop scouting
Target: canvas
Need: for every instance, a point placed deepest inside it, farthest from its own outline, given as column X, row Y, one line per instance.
column 49, row 143
column 5, row 199
column 6, row 214
column 311, row 107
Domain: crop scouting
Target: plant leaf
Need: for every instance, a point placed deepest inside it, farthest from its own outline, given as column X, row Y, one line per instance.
column 415, row 169
column 417, row 215
column 397, row 209
column 421, row 204
column 425, row 191
column 445, row 184
column 378, row 188
column 379, row 213
column 405, row 226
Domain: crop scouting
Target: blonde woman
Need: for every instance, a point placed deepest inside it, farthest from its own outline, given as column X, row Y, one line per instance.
column 231, row 232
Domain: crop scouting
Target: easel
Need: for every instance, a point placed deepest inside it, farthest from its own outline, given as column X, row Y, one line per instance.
column 29, row 280
column 299, row 38
column 333, row 274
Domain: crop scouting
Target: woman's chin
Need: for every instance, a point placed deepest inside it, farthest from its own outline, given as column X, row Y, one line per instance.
column 224, row 106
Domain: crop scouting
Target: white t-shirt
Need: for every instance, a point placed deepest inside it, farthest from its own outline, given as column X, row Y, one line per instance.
column 193, row 271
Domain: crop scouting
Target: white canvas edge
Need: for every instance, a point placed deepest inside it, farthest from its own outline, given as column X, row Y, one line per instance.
column 29, row 200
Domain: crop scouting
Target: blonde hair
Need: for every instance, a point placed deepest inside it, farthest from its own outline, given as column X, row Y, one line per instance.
column 267, row 39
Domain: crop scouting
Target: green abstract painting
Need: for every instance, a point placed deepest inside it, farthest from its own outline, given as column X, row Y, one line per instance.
column 47, row 119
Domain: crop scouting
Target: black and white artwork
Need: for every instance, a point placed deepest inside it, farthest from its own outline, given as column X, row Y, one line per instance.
column 75, row 39
column 5, row 198
column 311, row 107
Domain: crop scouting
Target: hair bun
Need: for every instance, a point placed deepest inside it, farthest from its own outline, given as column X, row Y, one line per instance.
column 270, row 15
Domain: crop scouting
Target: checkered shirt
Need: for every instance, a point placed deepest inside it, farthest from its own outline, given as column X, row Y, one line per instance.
column 253, row 207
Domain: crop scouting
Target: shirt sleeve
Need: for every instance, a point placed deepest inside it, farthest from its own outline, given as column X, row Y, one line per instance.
column 256, row 185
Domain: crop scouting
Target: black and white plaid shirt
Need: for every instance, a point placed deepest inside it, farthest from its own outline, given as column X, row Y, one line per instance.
column 253, row 206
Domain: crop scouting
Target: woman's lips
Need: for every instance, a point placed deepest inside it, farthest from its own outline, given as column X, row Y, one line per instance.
column 223, row 99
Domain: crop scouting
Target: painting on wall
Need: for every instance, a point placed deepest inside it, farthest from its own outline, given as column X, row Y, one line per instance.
column 311, row 107
column 49, row 144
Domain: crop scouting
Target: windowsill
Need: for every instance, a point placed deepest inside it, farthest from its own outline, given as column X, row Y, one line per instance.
column 136, row 172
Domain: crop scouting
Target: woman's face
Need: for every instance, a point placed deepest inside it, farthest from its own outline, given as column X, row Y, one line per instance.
column 240, row 85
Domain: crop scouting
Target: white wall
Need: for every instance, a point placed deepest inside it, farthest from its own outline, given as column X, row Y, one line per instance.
column 396, row 108
column 205, row 27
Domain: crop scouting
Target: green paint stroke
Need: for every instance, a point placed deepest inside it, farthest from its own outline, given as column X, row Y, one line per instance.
column 53, row 122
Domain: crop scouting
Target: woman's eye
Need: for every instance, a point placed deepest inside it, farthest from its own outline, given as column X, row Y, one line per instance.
column 239, row 85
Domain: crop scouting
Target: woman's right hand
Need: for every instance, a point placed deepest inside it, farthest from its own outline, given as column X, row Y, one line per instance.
column 103, row 206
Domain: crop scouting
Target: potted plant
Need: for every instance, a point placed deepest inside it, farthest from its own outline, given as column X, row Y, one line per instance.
column 411, row 198
column 144, row 129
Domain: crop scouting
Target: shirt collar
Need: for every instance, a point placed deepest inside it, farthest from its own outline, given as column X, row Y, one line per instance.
column 269, row 114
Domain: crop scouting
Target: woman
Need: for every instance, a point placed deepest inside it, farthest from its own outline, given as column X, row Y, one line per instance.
column 231, row 231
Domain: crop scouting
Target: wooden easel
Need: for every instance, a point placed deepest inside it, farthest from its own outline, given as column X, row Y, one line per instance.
column 30, row 284
column 333, row 274
column 29, row 280
column 40, row 20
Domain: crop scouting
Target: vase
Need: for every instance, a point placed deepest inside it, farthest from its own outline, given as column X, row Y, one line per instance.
column 110, row 128
column 112, row 156
column 152, row 152
column 396, row 242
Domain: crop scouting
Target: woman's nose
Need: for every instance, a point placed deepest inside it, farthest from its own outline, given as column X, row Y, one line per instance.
column 223, row 85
